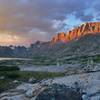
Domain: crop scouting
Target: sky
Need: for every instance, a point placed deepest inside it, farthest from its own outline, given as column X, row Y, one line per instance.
column 23, row 22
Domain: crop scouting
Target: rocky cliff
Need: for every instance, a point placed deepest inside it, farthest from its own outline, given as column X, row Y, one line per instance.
column 84, row 29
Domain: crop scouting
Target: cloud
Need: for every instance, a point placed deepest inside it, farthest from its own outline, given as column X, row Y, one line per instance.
column 33, row 20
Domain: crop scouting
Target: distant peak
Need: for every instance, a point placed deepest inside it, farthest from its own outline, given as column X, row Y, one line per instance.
column 78, row 32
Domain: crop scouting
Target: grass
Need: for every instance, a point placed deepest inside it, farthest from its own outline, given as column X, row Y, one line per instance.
column 43, row 61
column 25, row 75
column 8, row 67
column 81, row 59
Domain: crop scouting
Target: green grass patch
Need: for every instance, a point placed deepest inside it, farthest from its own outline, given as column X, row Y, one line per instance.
column 9, row 68
column 25, row 75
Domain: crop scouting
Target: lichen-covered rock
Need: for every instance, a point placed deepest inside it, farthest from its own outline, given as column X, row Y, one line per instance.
column 59, row 92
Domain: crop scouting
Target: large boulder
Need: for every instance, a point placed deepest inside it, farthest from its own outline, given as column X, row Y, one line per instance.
column 59, row 92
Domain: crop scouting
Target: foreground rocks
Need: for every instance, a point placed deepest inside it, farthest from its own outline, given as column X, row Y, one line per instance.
column 74, row 87
column 59, row 92
column 88, row 82
column 44, row 90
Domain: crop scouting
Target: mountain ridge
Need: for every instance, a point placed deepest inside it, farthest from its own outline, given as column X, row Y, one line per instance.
column 78, row 32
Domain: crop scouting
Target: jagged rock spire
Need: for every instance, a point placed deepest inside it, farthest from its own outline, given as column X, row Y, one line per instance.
column 87, row 28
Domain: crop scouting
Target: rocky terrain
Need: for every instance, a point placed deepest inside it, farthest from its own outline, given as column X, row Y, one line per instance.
column 73, row 87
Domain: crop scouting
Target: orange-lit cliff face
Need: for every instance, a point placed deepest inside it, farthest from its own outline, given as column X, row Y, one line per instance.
column 87, row 28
